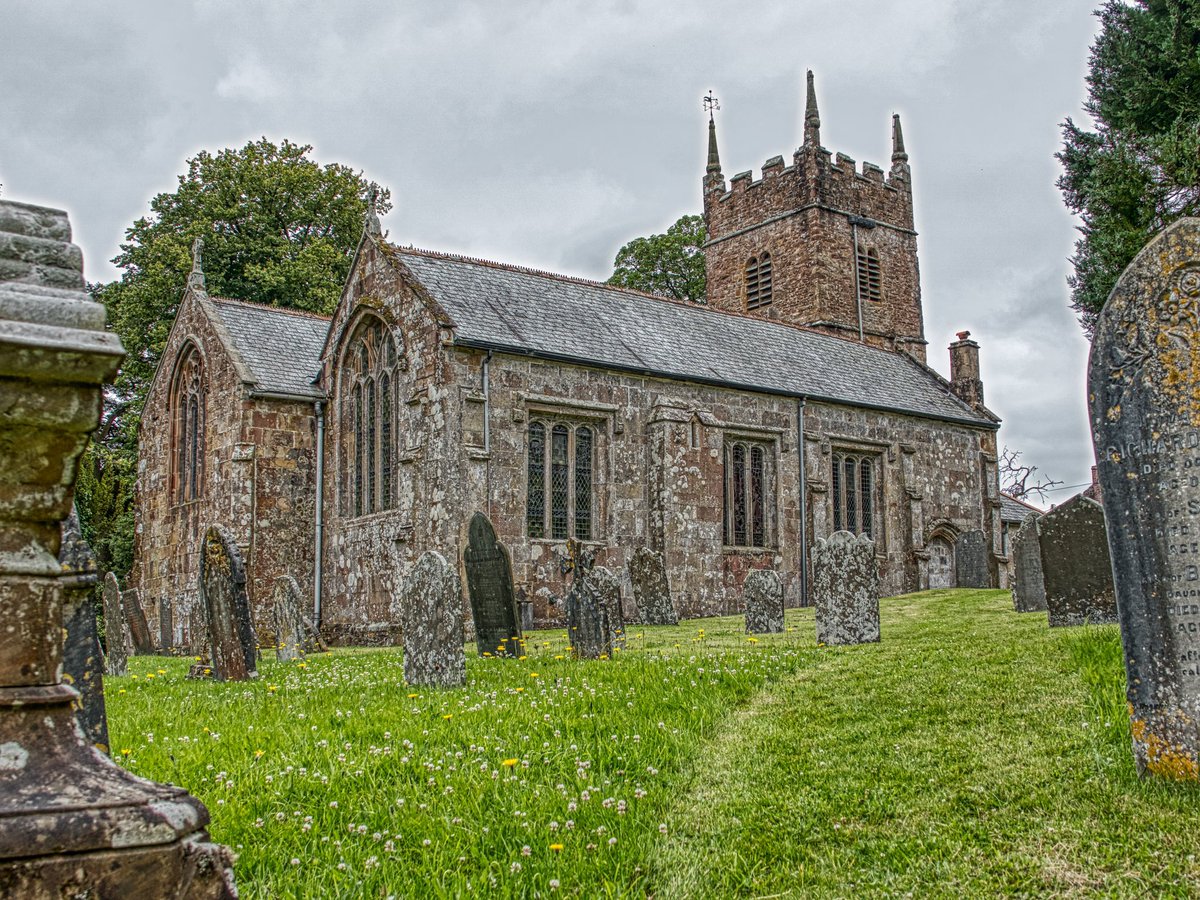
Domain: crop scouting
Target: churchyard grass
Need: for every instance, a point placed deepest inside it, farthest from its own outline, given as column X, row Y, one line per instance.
column 972, row 752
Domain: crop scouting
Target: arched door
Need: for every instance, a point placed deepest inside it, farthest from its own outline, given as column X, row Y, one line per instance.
column 941, row 563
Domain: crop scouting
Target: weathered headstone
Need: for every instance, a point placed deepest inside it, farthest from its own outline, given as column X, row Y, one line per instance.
column 1144, row 394
column 592, row 602
column 83, row 661
column 763, row 597
column 1029, row 586
column 431, row 614
column 135, row 618
column 489, row 582
column 1075, row 565
column 166, row 626
column 608, row 586
column 651, row 590
column 116, row 637
column 223, row 593
column 845, row 584
column 288, row 618
column 971, row 560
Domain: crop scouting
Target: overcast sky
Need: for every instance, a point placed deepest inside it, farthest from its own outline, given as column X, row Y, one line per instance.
column 548, row 134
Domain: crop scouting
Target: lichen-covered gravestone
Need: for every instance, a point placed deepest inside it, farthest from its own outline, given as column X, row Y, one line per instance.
column 489, row 582
column 1144, row 394
column 594, row 612
column 846, row 587
column 762, row 595
column 288, row 620
column 135, row 619
column 971, row 560
column 116, row 637
column 166, row 626
column 431, row 613
column 651, row 590
column 1075, row 565
column 223, row 593
column 1029, row 587
column 82, row 660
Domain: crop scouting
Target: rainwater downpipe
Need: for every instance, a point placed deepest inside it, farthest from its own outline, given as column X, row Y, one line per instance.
column 803, row 503
column 319, row 410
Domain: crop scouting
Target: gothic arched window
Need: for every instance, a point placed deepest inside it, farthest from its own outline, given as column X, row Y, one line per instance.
column 853, row 488
column 758, row 281
column 187, row 425
column 870, row 278
column 560, row 486
column 369, row 416
column 749, row 493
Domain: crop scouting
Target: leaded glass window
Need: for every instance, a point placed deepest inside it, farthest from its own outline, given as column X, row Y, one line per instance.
column 854, row 488
column 370, row 379
column 560, row 481
column 583, row 483
column 535, row 498
column 749, row 494
column 187, row 402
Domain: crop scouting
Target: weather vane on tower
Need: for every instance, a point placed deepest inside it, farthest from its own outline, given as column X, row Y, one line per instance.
column 711, row 103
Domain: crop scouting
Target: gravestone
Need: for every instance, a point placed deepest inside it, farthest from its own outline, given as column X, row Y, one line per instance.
column 83, row 661
column 763, row 597
column 431, row 614
column 116, row 637
column 288, row 619
column 135, row 619
column 1075, row 565
column 592, row 603
column 651, row 590
column 223, row 593
column 608, row 586
column 1143, row 386
column 1029, row 586
column 166, row 626
column 845, row 583
column 489, row 582
column 971, row 560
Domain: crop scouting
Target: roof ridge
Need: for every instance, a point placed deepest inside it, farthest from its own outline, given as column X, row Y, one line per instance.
column 1028, row 506
column 299, row 313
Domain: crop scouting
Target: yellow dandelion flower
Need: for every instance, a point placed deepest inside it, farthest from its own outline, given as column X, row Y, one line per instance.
column 556, row 847
column 603, row 656
column 126, row 752
column 510, row 762
column 448, row 716
column 522, row 658
column 413, row 696
column 559, row 656
column 258, row 754
column 519, row 690
column 533, row 674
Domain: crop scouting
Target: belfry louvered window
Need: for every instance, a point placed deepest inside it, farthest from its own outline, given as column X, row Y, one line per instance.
column 560, row 481
column 369, row 412
column 870, row 278
column 749, row 494
column 854, row 484
column 758, row 281
column 187, row 425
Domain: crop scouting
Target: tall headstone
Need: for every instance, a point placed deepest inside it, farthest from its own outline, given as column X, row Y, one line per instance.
column 288, row 618
column 431, row 613
column 1144, row 394
column 651, row 590
column 72, row 823
column 489, row 582
column 592, row 603
column 1029, row 586
column 83, row 661
column 223, row 593
column 117, row 646
column 135, row 618
column 1075, row 565
column 608, row 586
column 166, row 626
column 763, row 598
column 845, row 584
column 971, row 560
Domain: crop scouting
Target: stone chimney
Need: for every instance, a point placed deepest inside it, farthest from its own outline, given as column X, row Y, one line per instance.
column 964, row 370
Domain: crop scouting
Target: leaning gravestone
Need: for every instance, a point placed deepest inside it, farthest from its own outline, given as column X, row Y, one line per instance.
column 1075, row 565
column 135, row 618
column 82, row 659
column 651, row 590
column 971, row 560
column 431, row 615
column 846, row 587
column 1144, row 394
column 223, row 593
column 288, row 620
column 116, row 638
column 489, row 582
column 1029, row 587
column 763, row 597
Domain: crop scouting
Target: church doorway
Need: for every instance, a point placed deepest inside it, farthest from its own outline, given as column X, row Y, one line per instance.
column 941, row 564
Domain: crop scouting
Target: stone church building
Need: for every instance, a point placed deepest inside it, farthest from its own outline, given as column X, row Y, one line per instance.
column 730, row 435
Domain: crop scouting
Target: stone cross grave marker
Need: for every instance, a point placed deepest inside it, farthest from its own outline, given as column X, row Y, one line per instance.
column 489, row 582
column 763, row 597
column 223, row 593
column 651, row 590
column 1144, row 398
column 82, row 660
column 135, row 618
column 116, row 638
column 846, row 587
column 1075, row 565
column 971, row 560
column 1029, row 586
column 431, row 614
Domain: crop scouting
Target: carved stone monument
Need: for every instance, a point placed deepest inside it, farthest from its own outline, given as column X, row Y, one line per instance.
column 763, row 597
column 591, row 602
column 223, row 593
column 288, row 619
column 1144, row 394
column 608, row 586
column 1029, row 586
column 83, row 660
column 166, row 626
column 116, row 636
column 135, row 618
column 971, row 560
column 489, row 582
column 846, row 588
column 651, row 590
column 431, row 613
column 1075, row 565
column 72, row 824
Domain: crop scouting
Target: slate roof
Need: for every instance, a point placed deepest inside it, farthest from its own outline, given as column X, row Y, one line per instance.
column 522, row 311
column 1013, row 510
column 280, row 347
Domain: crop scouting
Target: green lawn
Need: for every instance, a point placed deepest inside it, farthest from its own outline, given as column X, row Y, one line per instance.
column 973, row 752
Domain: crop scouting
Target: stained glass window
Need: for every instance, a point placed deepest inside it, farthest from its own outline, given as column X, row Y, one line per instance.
column 535, row 499
column 854, row 493
column 385, row 441
column 187, row 400
column 371, row 374
column 559, row 482
column 583, row 483
column 749, row 493
column 739, row 495
column 758, row 534
column 358, row 450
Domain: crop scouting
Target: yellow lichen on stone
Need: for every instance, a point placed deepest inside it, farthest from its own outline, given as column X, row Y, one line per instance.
column 1163, row 758
column 1114, row 413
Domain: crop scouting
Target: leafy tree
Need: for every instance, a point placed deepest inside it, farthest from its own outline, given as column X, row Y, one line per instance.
column 670, row 264
column 1140, row 169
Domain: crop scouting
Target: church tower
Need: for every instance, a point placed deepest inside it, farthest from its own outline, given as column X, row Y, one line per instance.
column 818, row 243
